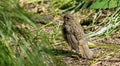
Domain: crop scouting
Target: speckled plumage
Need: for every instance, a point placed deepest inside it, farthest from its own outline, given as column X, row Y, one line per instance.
column 75, row 37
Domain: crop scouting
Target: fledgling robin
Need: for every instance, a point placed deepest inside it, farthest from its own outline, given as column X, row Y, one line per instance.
column 75, row 37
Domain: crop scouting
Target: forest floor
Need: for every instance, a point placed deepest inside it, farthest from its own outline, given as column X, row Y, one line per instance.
column 106, row 51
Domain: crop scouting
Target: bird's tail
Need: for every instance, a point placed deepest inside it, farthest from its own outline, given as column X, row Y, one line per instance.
column 84, row 49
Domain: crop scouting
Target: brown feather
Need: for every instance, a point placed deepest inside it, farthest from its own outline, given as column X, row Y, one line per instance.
column 75, row 37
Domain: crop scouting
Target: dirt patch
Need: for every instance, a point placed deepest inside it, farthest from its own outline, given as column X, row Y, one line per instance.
column 106, row 52
column 103, row 56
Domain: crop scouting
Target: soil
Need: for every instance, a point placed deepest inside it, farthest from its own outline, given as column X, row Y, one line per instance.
column 106, row 51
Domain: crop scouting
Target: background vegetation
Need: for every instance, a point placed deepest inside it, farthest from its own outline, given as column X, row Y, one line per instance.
column 23, row 42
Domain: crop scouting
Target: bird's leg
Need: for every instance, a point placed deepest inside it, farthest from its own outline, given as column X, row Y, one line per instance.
column 84, row 49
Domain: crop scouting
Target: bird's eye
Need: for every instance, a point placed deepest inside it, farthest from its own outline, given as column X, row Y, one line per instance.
column 66, row 18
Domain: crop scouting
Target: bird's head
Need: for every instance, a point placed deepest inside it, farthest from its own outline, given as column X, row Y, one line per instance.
column 70, row 19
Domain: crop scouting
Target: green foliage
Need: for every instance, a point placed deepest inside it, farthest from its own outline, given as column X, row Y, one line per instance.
column 111, row 27
column 25, row 43
column 103, row 4
column 67, row 5
column 75, row 5
column 22, row 41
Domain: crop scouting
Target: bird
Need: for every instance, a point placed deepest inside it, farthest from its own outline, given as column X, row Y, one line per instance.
column 75, row 37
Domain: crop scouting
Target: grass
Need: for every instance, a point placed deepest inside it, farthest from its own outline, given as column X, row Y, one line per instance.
column 26, row 43
column 109, row 50
column 23, row 42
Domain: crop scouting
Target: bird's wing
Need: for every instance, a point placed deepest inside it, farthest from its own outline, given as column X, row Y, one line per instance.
column 70, row 38
column 73, row 42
